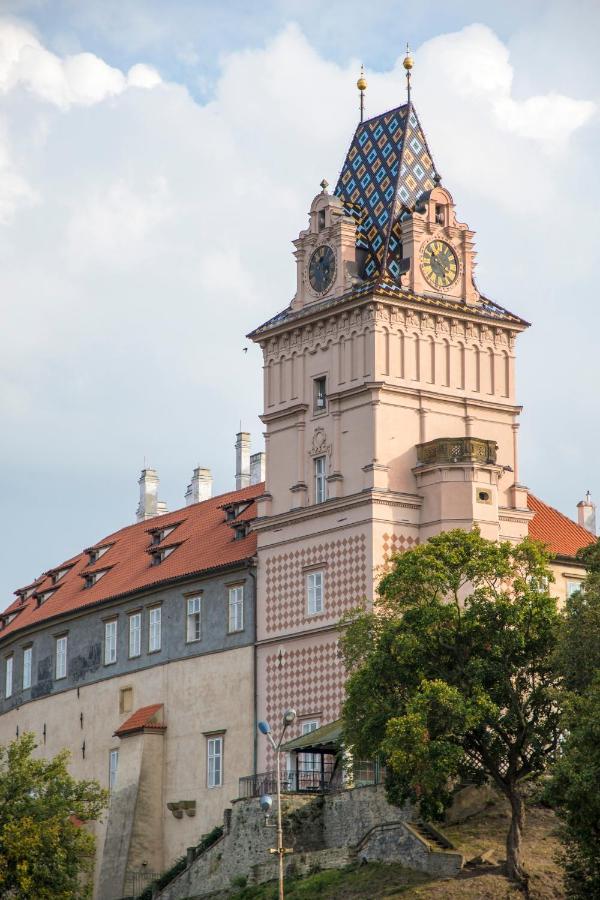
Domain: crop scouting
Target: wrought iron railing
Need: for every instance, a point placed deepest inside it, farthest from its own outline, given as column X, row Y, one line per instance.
column 313, row 779
column 137, row 880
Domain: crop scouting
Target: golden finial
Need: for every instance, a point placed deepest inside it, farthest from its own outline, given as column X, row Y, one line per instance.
column 408, row 64
column 361, row 84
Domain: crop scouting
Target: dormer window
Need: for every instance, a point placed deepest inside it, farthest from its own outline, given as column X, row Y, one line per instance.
column 90, row 578
column 159, row 534
column 94, row 553
column 57, row 574
column 42, row 596
column 241, row 530
column 160, row 554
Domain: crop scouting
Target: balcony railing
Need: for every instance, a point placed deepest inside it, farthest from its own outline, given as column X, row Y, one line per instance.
column 313, row 779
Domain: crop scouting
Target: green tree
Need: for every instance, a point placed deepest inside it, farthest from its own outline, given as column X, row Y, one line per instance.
column 574, row 789
column 453, row 676
column 45, row 850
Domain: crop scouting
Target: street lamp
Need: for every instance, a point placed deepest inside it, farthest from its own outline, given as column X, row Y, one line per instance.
column 265, row 801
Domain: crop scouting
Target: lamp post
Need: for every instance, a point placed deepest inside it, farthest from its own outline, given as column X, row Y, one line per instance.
column 264, row 728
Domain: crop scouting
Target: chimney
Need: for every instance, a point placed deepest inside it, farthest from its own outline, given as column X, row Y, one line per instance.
column 242, row 460
column 586, row 513
column 149, row 505
column 200, row 487
column 257, row 467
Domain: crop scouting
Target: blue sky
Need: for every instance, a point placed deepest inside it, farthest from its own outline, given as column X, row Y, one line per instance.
column 155, row 163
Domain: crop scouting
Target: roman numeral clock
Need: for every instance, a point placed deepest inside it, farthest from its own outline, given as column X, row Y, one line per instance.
column 439, row 264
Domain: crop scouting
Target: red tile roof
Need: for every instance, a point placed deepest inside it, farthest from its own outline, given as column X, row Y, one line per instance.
column 145, row 717
column 206, row 541
column 562, row 536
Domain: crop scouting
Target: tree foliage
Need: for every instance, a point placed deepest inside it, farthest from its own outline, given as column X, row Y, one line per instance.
column 45, row 849
column 453, row 677
column 574, row 789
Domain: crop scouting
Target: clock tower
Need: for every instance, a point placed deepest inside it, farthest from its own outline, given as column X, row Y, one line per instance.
column 389, row 408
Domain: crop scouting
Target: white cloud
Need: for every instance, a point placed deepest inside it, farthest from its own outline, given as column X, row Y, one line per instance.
column 80, row 79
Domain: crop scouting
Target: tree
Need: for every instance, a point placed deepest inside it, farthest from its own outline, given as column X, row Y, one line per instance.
column 453, row 676
column 574, row 789
column 45, row 849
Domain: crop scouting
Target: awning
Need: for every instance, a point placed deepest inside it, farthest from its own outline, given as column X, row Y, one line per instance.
column 327, row 739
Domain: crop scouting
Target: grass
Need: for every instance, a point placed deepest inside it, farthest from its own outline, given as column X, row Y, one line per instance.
column 482, row 832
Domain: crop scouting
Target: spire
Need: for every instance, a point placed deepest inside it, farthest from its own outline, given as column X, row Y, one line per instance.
column 408, row 64
column 361, row 84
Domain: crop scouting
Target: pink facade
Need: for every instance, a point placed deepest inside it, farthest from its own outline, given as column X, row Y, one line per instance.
column 390, row 412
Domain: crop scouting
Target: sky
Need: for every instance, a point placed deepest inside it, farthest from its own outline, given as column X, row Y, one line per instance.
column 156, row 161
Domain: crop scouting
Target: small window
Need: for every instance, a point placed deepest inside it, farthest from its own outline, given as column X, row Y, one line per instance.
column 194, row 618
column 8, row 677
column 27, row 667
column 440, row 218
column 135, row 634
column 314, row 593
column 214, row 747
column 125, row 700
column 320, row 480
column 110, row 642
column 113, row 765
column 154, row 630
column 320, row 394
column 321, row 220
column 61, row 657
column 573, row 586
column 310, row 762
column 236, row 608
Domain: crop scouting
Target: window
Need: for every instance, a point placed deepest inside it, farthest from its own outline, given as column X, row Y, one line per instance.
column 8, row 681
column 310, row 762
column 110, row 642
column 572, row 587
column 236, row 608
column 27, row 668
column 194, row 618
column 154, row 636
column 320, row 395
column 320, row 480
column 321, row 220
column 439, row 214
column 125, row 700
column 314, row 593
column 113, row 765
column 135, row 634
column 61, row 657
column 214, row 747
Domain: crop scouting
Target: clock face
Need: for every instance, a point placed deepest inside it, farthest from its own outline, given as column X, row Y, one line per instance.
column 439, row 264
column 321, row 269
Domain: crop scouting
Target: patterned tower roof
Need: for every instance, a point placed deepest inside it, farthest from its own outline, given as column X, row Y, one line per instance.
column 387, row 169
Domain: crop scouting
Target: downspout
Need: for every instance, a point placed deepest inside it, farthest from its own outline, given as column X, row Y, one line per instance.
column 252, row 575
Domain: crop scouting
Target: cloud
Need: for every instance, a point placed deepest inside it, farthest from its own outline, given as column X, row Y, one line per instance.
column 80, row 79
column 145, row 233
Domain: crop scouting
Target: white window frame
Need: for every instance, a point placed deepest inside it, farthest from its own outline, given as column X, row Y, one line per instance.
column 60, row 661
column 155, row 629
column 113, row 768
column 236, row 608
column 27, row 660
column 310, row 762
column 110, row 642
column 573, row 585
column 193, row 618
column 135, row 634
column 314, row 593
column 320, row 465
column 8, row 676
column 317, row 396
column 214, row 761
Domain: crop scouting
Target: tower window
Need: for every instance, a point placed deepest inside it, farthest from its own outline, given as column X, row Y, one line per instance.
column 321, row 220
column 320, row 394
column 440, row 218
column 320, row 480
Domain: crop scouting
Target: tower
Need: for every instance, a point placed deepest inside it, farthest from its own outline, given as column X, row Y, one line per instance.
column 389, row 406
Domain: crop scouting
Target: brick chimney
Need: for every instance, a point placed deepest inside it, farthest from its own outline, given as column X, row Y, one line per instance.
column 242, row 460
column 200, row 487
column 149, row 505
column 257, row 467
column 586, row 513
